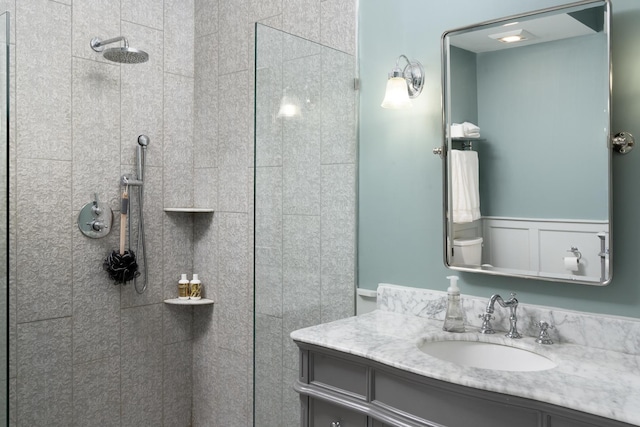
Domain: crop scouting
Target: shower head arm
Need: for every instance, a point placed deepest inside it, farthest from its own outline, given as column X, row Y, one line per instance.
column 98, row 45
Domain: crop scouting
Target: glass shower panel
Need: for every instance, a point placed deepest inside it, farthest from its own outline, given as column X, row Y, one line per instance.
column 305, row 139
column 4, row 216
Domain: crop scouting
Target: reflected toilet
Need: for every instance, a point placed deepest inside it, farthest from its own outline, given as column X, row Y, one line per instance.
column 467, row 251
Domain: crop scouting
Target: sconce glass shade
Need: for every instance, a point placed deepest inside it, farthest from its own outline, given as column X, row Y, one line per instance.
column 397, row 95
column 403, row 84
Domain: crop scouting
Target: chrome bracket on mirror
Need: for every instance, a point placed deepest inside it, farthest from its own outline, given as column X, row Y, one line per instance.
column 623, row 142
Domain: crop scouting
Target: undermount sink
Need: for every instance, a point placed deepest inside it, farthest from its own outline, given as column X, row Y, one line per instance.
column 486, row 355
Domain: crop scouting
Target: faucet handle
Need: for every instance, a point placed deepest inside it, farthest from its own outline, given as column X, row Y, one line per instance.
column 486, row 327
column 543, row 337
column 544, row 325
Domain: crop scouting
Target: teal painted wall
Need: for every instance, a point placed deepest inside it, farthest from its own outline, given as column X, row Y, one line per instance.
column 464, row 92
column 520, row 168
column 400, row 180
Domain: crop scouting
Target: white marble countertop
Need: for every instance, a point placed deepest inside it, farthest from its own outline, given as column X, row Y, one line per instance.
column 596, row 381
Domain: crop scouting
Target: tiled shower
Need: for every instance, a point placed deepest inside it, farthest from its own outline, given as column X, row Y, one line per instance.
column 85, row 352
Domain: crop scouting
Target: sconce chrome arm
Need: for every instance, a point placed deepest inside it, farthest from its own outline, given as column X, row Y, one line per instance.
column 413, row 73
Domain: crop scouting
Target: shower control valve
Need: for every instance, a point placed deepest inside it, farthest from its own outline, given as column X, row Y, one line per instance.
column 95, row 218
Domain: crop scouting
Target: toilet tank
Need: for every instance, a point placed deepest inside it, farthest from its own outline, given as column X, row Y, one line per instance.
column 467, row 251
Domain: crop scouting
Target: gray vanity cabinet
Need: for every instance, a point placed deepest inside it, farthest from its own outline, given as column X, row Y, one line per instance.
column 341, row 390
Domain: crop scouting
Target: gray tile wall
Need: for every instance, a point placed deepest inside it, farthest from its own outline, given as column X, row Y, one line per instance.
column 86, row 352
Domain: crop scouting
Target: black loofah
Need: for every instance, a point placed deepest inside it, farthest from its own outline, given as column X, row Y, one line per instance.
column 122, row 268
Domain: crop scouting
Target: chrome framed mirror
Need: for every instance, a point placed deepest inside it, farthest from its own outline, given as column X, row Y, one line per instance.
column 526, row 151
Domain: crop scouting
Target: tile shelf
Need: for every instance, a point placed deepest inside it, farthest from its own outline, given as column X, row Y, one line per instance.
column 176, row 301
column 189, row 210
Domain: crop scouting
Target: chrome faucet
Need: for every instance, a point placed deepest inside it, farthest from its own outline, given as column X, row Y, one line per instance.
column 512, row 304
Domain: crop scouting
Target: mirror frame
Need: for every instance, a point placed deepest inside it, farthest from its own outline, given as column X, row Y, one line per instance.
column 445, row 150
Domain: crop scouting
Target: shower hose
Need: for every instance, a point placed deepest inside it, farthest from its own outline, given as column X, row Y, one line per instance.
column 141, row 242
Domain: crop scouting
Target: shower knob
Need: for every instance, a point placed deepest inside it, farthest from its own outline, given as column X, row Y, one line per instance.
column 96, row 225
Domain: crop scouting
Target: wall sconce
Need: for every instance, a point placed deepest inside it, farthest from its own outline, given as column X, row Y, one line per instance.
column 403, row 84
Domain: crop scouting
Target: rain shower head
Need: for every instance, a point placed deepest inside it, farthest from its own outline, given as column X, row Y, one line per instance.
column 126, row 55
column 122, row 55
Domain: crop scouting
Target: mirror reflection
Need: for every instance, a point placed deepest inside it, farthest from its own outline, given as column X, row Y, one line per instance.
column 527, row 134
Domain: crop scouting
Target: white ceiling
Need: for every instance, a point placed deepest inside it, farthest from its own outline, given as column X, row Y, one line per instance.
column 544, row 29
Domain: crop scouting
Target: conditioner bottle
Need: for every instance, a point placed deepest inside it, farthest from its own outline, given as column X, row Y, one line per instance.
column 196, row 288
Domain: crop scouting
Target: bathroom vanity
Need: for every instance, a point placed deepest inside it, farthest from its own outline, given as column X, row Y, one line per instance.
column 369, row 370
column 339, row 388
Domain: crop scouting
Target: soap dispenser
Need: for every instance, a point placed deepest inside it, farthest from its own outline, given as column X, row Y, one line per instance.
column 454, row 319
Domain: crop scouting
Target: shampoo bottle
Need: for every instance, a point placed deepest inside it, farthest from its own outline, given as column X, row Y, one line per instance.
column 454, row 319
column 183, row 287
column 196, row 287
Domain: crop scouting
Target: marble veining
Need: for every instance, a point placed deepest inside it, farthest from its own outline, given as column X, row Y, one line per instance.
column 606, row 332
column 598, row 365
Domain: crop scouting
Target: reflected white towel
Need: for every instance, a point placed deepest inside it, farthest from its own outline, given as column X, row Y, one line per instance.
column 456, row 131
column 470, row 130
column 465, row 193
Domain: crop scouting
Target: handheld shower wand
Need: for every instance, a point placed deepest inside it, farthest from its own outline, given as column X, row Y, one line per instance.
column 143, row 141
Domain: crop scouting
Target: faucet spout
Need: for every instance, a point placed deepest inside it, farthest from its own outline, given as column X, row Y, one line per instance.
column 512, row 305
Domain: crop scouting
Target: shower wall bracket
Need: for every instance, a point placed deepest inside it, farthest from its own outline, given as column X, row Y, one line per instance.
column 130, row 180
column 95, row 219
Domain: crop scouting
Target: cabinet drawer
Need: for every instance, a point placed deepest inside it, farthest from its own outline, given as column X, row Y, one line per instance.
column 338, row 374
column 566, row 422
column 580, row 420
column 323, row 414
column 448, row 408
